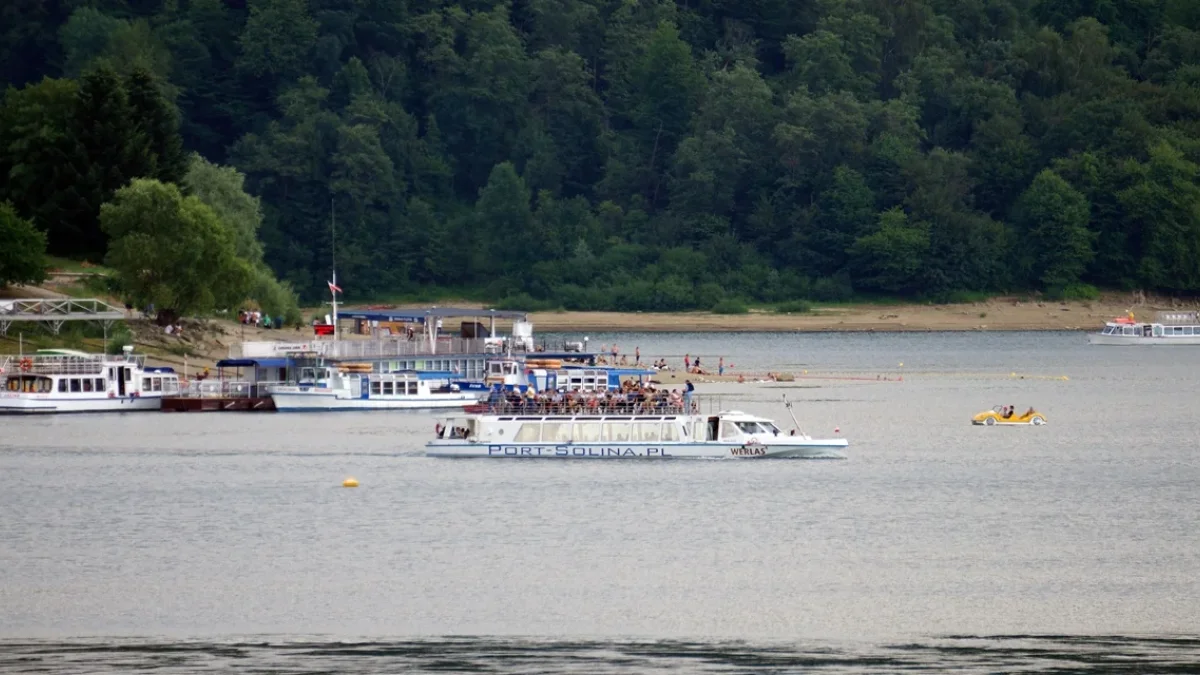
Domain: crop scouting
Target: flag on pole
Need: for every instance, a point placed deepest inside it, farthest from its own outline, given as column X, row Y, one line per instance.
column 333, row 288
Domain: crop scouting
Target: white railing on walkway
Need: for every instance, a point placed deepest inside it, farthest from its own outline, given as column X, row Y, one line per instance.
column 365, row 349
column 226, row 389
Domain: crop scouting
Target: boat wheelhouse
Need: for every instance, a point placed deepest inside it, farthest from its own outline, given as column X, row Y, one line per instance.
column 622, row 432
column 1170, row 328
column 353, row 386
column 54, row 381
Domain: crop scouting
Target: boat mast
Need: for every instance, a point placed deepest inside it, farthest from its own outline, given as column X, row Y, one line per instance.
column 788, row 403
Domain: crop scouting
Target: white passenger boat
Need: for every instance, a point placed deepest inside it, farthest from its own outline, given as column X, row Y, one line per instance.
column 354, row 387
column 622, row 432
column 59, row 381
column 1170, row 328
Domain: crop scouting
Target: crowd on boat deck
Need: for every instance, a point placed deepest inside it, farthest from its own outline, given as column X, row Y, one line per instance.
column 632, row 398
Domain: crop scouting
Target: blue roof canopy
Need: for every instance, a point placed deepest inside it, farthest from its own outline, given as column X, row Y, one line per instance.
column 420, row 315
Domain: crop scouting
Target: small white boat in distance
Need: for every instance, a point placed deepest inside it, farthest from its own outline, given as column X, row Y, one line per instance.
column 622, row 432
column 62, row 381
column 1171, row 328
column 353, row 387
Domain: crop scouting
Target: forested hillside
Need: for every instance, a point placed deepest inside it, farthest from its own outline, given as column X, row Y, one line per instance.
column 648, row 154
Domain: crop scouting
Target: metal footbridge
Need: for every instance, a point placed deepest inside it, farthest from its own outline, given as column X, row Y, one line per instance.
column 54, row 312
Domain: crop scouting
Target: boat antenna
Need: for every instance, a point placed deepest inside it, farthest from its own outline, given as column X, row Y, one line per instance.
column 788, row 405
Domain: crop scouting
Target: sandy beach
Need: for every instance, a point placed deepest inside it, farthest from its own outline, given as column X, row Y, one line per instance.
column 998, row 314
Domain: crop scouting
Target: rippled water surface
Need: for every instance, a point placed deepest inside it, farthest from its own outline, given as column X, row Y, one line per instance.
column 224, row 540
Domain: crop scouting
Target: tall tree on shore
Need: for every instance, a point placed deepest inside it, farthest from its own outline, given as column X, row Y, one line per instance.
column 22, row 249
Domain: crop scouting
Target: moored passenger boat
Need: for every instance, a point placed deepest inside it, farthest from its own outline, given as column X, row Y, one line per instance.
column 1171, row 328
column 57, row 381
column 622, row 431
column 353, row 387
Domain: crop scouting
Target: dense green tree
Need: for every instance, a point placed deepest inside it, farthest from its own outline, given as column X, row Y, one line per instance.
column 892, row 258
column 1164, row 203
column 157, row 121
column 1053, row 244
column 570, row 149
column 277, row 37
column 37, row 146
column 222, row 189
column 503, row 223
column 22, row 249
column 173, row 252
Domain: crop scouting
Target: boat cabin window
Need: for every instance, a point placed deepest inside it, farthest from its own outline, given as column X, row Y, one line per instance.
column 376, row 388
column 670, row 431
column 100, row 384
column 556, row 432
column 62, row 385
column 529, row 433
column 30, row 384
column 76, row 385
column 647, row 432
column 755, row 428
column 411, row 388
column 616, row 431
column 729, row 430
column 87, row 384
column 587, row 432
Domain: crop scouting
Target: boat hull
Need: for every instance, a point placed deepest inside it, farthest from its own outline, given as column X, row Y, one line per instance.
column 299, row 401
column 1141, row 341
column 27, row 404
column 798, row 449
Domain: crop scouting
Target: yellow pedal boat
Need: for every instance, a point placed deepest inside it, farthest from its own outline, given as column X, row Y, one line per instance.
column 1005, row 415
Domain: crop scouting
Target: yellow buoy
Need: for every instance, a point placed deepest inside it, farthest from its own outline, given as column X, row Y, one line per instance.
column 350, row 482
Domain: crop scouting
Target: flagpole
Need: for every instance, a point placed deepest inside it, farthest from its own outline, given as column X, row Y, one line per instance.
column 333, row 260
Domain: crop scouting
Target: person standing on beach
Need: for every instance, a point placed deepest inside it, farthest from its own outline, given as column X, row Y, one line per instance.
column 637, row 355
column 721, row 366
column 687, row 362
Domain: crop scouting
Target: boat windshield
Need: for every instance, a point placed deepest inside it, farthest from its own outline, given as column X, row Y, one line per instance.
column 757, row 428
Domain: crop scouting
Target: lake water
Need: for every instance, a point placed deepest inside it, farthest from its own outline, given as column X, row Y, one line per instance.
column 185, row 542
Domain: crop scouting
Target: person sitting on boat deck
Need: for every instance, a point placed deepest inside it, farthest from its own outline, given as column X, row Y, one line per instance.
column 1028, row 412
column 1009, row 411
column 676, row 399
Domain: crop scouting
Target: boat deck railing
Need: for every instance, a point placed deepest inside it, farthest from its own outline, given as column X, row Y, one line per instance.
column 582, row 408
column 226, row 389
column 56, row 364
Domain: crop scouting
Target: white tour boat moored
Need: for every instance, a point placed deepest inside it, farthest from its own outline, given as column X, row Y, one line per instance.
column 622, row 431
column 351, row 386
column 59, row 381
column 1171, row 328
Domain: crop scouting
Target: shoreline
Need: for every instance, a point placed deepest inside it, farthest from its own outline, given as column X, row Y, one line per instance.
column 999, row 314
